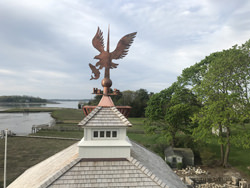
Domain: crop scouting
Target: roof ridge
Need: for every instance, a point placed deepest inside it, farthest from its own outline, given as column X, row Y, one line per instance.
column 121, row 116
column 147, row 172
column 90, row 116
column 59, row 173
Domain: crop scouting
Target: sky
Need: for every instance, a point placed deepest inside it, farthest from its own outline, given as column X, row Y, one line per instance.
column 46, row 45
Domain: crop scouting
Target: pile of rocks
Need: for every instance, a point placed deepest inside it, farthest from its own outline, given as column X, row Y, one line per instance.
column 233, row 182
column 210, row 185
column 191, row 171
column 198, row 178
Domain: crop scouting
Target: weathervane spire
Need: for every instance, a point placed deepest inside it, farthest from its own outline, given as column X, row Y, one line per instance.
column 105, row 58
column 108, row 41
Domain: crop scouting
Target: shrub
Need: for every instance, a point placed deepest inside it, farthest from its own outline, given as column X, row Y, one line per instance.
column 179, row 166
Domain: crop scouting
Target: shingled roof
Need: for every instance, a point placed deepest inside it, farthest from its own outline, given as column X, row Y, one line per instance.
column 105, row 117
column 65, row 169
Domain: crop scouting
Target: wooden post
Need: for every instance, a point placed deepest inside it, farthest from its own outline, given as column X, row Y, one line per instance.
column 5, row 159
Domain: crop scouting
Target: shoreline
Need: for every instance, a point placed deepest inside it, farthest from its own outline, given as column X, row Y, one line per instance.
column 31, row 110
column 28, row 103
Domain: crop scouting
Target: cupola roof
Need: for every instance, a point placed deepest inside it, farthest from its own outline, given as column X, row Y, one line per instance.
column 105, row 117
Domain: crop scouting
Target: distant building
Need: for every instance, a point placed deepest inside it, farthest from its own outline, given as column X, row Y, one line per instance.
column 216, row 130
column 179, row 155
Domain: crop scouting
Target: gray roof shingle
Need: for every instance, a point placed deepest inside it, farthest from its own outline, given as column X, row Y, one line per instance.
column 105, row 117
column 64, row 169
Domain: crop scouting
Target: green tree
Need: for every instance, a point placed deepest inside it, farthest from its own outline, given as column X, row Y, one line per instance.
column 170, row 110
column 139, row 103
column 22, row 99
column 136, row 99
column 222, row 88
column 127, row 98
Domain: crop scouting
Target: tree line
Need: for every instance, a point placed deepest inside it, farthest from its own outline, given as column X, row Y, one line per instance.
column 136, row 99
column 21, row 99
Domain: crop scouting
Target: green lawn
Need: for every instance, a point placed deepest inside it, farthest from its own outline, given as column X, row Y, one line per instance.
column 68, row 115
column 58, row 133
column 238, row 156
column 26, row 152
column 137, row 125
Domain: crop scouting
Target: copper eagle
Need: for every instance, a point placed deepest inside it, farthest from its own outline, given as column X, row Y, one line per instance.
column 105, row 57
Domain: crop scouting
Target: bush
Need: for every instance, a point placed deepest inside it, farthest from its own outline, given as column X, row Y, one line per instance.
column 179, row 166
column 168, row 163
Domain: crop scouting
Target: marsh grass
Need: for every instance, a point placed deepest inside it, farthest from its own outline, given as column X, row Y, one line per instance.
column 26, row 152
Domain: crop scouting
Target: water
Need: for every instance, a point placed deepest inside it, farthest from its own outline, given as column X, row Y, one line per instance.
column 64, row 104
column 21, row 123
column 59, row 104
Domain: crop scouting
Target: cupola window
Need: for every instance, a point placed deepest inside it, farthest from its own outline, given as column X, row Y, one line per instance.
column 111, row 134
column 95, row 134
column 108, row 134
column 114, row 134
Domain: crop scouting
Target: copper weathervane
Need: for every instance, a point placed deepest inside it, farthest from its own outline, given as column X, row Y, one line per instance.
column 105, row 58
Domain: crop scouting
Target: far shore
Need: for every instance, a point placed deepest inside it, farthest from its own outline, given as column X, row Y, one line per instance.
column 30, row 110
column 28, row 103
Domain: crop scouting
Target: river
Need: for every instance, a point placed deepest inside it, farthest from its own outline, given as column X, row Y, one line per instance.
column 59, row 104
column 21, row 123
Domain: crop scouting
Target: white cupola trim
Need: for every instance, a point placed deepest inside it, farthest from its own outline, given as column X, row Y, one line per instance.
column 105, row 134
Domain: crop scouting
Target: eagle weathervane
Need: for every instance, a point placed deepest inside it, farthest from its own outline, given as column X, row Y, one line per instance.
column 105, row 58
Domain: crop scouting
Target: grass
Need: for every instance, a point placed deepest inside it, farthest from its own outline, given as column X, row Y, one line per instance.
column 238, row 156
column 63, row 134
column 138, row 125
column 68, row 115
column 26, row 152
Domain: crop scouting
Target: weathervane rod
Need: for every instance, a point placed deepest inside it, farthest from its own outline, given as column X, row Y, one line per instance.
column 108, row 41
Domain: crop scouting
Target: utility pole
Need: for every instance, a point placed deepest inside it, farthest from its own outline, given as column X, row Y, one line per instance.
column 5, row 159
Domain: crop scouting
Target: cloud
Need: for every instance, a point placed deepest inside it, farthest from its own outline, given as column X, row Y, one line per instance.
column 45, row 45
column 6, row 72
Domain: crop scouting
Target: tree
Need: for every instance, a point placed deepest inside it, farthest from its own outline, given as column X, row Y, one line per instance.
column 127, row 98
column 139, row 103
column 136, row 99
column 223, row 90
column 170, row 110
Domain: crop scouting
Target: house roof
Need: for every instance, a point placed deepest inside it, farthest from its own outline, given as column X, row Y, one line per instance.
column 169, row 151
column 65, row 169
column 105, row 117
column 182, row 152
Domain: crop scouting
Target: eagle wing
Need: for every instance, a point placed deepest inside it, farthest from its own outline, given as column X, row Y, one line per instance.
column 123, row 46
column 98, row 41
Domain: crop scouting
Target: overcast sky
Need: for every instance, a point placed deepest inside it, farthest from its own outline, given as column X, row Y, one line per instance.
column 46, row 45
